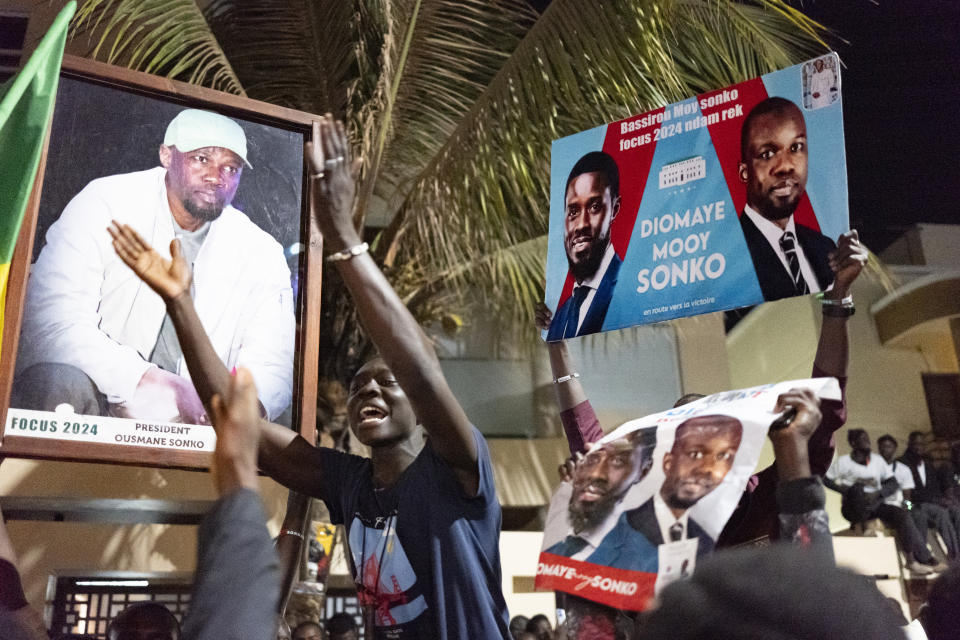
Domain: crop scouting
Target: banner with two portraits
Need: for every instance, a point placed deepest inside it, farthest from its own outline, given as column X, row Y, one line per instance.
column 650, row 498
column 721, row 201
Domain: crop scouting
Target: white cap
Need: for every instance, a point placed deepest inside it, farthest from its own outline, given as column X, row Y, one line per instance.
column 194, row 129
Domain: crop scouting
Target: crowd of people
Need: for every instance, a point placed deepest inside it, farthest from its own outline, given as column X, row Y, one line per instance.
column 421, row 514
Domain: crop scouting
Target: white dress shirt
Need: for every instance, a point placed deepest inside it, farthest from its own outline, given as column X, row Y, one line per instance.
column 666, row 519
column 593, row 283
column 772, row 232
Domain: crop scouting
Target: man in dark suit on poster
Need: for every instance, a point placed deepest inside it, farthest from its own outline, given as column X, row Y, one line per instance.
column 790, row 259
column 701, row 456
column 591, row 202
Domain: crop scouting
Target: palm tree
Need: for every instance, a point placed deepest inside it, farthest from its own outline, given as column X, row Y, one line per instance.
column 452, row 104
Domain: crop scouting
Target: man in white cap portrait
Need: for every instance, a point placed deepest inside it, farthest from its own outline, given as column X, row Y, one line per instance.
column 96, row 338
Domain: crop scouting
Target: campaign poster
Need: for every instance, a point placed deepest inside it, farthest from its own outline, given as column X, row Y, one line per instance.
column 724, row 200
column 648, row 501
column 98, row 359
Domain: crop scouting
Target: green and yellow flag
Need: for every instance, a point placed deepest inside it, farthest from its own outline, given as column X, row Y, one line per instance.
column 26, row 102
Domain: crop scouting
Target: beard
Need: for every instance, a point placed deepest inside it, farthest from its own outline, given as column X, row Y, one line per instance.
column 206, row 212
column 588, row 266
column 589, row 515
column 773, row 208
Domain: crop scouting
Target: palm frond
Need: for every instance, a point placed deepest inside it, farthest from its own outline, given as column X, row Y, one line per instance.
column 518, row 269
column 164, row 37
column 585, row 62
column 296, row 53
column 437, row 58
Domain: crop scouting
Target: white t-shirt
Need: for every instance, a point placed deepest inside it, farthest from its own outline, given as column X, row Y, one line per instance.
column 846, row 472
column 904, row 478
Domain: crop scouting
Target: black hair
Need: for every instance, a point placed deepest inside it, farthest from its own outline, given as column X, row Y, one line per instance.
column 914, row 435
column 535, row 620
column 774, row 105
column 341, row 623
column 853, row 434
column 148, row 609
column 304, row 625
column 687, row 398
column 602, row 163
column 887, row 438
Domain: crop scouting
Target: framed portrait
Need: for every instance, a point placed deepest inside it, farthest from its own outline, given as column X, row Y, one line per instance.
column 92, row 368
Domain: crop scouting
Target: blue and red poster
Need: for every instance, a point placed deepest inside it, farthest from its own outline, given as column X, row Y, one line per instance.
column 724, row 200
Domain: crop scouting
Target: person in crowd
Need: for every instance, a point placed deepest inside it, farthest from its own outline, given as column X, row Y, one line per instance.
column 591, row 202
column 924, row 514
column 18, row 620
column 422, row 516
column 342, row 626
column 308, row 630
column 539, row 625
column 779, row 591
column 860, row 477
column 926, row 480
column 949, row 475
column 939, row 615
column 237, row 584
column 518, row 624
column 144, row 621
column 96, row 339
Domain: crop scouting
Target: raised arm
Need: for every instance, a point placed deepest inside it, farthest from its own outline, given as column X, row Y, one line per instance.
column 580, row 423
column 800, row 497
column 283, row 455
column 394, row 331
column 833, row 350
column 237, row 583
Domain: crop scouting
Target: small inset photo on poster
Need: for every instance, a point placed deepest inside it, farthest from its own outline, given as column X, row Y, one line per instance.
column 821, row 82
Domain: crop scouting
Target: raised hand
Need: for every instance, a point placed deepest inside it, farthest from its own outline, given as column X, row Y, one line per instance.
column 333, row 183
column 169, row 278
column 790, row 442
column 847, row 262
column 807, row 418
column 236, row 417
column 542, row 316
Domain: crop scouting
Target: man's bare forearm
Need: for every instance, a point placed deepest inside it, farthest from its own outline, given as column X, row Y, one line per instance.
column 570, row 392
column 210, row 377
column 290, row 545
column 208, row 373
column 833, row 350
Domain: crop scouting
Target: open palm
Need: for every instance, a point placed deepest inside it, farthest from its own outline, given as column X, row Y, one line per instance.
column 169, row 278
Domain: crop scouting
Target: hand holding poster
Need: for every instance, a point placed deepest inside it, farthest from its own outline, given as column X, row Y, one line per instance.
column 721, row 201
column 650, row 498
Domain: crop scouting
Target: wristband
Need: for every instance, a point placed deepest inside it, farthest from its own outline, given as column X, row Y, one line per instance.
column 566, row 378
column 291, row 532
column 348, row 253
column 833, row 311
column 830, row 302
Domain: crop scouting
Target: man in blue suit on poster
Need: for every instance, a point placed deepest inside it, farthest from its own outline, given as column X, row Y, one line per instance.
column 591, row 202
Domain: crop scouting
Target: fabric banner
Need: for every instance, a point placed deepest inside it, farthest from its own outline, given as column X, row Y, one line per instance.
column 720, row 201
column 651, row 497
column 26, row 102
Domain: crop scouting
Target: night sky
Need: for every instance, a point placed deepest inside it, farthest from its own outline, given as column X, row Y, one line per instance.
column 901, row 95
